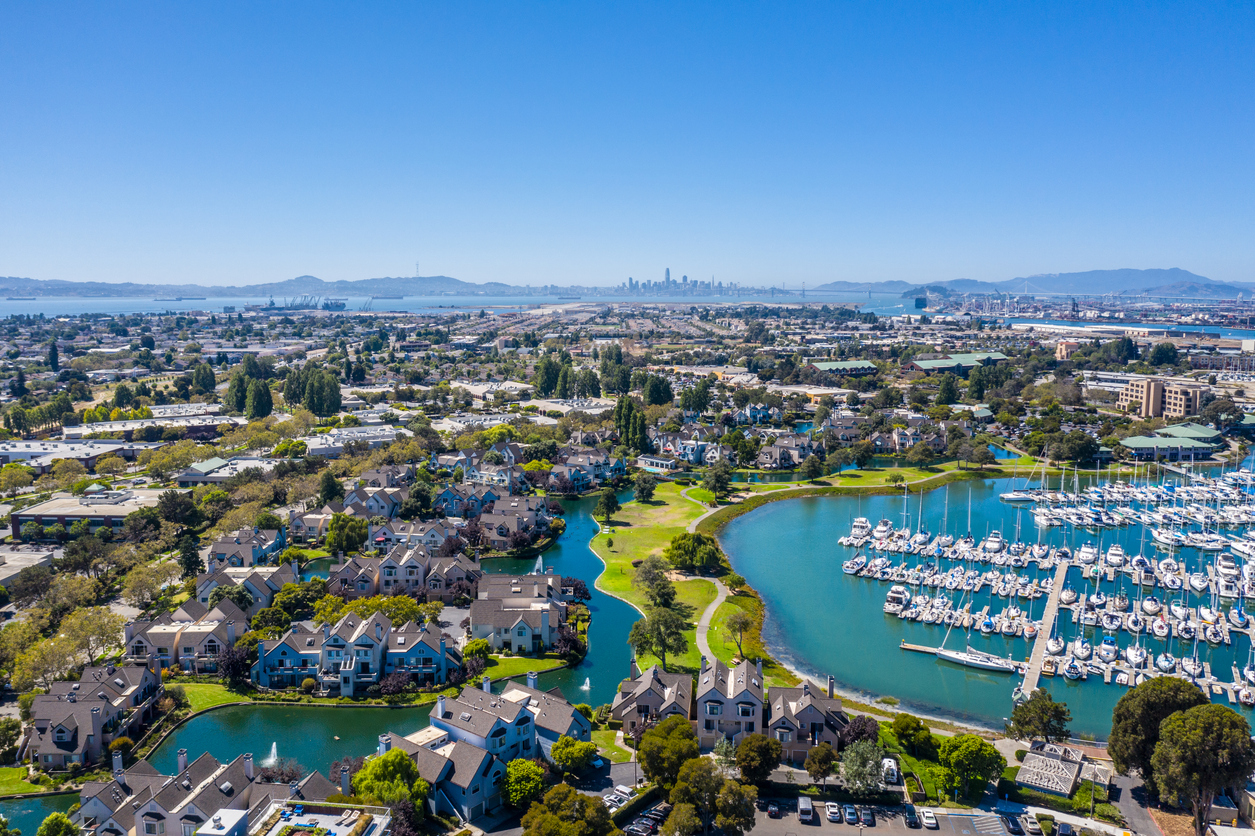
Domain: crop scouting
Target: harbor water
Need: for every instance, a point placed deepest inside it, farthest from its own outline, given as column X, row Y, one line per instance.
column 788, row 551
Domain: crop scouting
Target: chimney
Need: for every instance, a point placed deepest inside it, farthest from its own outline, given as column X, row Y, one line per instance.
column 544, row 628
column 293, row 789
column 704, row 664
column 385, row 743
column 346, row 786
column 531, row 679
column 487, row 684
column 117, row 764
column 634, row 670
column 759, row 668
column 378, row 631
column 128, row 632
column 231, row 633
column 440, row 706
column 248, row 765
column 806, row 687
column 182, row 756
column 832, row 685
column 326, row 631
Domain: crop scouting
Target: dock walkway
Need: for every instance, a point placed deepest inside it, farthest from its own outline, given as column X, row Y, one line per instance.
column 1046, row 630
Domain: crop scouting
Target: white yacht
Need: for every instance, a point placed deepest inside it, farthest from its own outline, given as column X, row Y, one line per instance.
column 854, row 564
column 994, row 542
column 882, row 530
column 861, row 528
column 977, row 659
column 1115, row 555
column 1087, row 554
column 1016, row 496
column 898, row 597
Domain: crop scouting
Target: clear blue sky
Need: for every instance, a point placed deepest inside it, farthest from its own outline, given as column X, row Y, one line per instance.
column 586, row 142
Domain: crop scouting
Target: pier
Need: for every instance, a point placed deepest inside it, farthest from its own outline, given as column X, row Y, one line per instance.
column 1038, row 656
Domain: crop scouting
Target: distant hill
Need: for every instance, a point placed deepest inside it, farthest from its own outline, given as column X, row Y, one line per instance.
column 1129, row 282
column 300, row 286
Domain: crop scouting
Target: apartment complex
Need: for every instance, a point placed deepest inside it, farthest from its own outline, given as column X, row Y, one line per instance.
column 1151, row 397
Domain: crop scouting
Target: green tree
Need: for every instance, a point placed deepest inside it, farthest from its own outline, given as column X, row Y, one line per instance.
column 54, row 358
column 947, row 390
column 756, row 756
column 970, row 758
column 665, row 748
column 737, row 625
column 698, row 783
column 477, row 649
column 735, row 808
column 564, row 811
column 329, row 488
column 1136, row 720
column 524, row 782
column 236, row 396
column 346, row 534
column 1163, row 354
column 694, row 552
column 860, row 766
column 660, row 632
column 682, row 821
column 390, row 778
column 863, row 452
column 718, row 478
column 10, row 731
column 725, row 754
column 571, row 755
column 57, row 824
column 820, row 761
column 236, row 594
column 177, row 507
column 1202, row 751
column 1040, row 718
column 607, row 505
column 93, row 630
column 921, row 454
column 259, row 404
column 644, row 483
column 812, row 468
column 912, row 733
column 652, row 581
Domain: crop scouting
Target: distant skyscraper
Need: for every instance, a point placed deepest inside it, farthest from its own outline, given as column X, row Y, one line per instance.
column 667, row 279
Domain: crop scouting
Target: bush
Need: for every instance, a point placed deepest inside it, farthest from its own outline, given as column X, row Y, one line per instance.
column 308, row 685
column 122, row 744
column 1019, row 754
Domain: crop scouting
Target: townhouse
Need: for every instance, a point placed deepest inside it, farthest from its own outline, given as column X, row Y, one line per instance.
column 412, row 571
column 519, row 613
column 261, row 582
column 465, row 779
column 377, row 502
column 76, row 721
column 804, row 717
column 246, row 547
column 649, row 697
column 427, row 535
column 188, row 639
column 143, row 802
column 307, row 651
column 553, row 716
column 465, row 500
column 729, row 701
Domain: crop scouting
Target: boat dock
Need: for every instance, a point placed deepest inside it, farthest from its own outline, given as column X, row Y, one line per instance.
column 1038, row 655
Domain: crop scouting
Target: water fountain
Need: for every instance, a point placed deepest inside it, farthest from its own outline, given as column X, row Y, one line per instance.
column 588, row 683
column 273, row 757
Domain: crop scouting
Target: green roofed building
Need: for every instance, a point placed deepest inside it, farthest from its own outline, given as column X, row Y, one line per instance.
column 1190, row 430
column 849, row 368
column 1154, row 447
column 959, row 364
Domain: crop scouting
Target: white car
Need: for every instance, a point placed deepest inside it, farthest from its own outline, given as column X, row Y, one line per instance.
column 833, row 809
column 929, row 820
column 614, row 800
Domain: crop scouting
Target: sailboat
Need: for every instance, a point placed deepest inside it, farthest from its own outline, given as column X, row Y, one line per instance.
column 972, row 658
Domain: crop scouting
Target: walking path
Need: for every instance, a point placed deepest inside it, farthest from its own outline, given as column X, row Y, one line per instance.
column 1047, row 629
column 703, row 626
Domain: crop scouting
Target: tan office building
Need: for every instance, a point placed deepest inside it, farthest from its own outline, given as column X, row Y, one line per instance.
column 1154, row 398
column 1064, row 349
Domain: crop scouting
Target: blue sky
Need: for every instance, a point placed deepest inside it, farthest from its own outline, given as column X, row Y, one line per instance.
column 532, row 143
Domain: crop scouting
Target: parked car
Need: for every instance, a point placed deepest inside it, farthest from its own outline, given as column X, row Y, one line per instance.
column 851, row 814
column 1031, row 825
column 833, row 809
column 650, row 825
column 929, row 820
column 1065, row 829
column 1013, row 825
column 868, row 816
column 909, row 816
column 773, row 810
column 615, row 799
column 636, row 830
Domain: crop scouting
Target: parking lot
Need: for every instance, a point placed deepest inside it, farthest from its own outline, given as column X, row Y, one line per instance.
column 888, row 820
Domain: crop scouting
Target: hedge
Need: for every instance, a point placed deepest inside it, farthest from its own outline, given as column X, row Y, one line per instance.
column 636, row 803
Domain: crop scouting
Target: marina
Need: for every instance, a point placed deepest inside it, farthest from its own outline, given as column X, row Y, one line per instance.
column 1078, row 590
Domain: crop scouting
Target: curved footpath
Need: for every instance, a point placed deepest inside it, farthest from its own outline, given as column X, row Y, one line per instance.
column 703, row 625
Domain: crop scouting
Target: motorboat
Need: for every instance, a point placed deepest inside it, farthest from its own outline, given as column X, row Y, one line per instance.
column 977, row 659
column 1087, row 554
column 1082, row 649
column 882, row 530
column 1135, row 655
column 1115, row 555
column 1108, row 650
column 1246, row 697
column 1151, row 605
column 854, row 564
column 897, row 598
column 993, row 543
column 1166, row 662
column 861, row 528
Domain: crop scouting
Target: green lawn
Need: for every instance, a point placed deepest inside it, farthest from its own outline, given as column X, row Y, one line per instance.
column 204, row 695
column 724, row 647
column 500, row 667
column 13, row 781
column 605, row 740
column 641, row 529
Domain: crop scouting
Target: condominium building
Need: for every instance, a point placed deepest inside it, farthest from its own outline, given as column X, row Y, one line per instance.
column 1151, row 397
